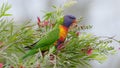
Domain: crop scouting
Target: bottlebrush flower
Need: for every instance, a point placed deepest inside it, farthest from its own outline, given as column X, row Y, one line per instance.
column 61, row 46
column 77, row 33
column 1, row 65
column 45, row 23
column 21, row 66
column 38, row 21
column 38, row 18
column 89, row 51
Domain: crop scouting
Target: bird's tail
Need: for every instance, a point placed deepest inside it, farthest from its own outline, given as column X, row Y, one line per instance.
column 31, row 52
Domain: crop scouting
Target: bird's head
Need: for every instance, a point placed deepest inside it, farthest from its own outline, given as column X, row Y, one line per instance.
column 69, row 20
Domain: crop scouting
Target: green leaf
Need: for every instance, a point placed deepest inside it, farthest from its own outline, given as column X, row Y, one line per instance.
column 7, row 14
column 4, row 8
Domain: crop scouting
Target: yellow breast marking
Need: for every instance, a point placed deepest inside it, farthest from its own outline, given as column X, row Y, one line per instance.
column 63, row 32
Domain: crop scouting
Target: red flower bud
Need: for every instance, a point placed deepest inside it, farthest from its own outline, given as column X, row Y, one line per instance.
column 45, row 23
column 38, row 21
column 61, row 46
column 1, row 65
column 89, row 51
column 77, row 33
column 21, row 66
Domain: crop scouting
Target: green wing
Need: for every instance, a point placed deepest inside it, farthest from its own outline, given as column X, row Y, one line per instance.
column 45, row 42
column 48, row 39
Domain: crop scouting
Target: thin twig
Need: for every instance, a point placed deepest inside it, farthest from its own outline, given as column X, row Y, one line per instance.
column 112, row 38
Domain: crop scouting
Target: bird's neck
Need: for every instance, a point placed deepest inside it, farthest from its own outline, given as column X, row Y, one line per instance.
column 63, row 27
column 66, row 25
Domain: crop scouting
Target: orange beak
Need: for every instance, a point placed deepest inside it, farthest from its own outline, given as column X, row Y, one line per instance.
column 74, row 22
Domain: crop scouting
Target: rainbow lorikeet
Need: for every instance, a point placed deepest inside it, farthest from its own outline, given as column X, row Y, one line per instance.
column 57, row 35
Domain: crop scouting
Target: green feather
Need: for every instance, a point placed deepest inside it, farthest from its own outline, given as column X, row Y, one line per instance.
column 45, row 42
column 31, row 52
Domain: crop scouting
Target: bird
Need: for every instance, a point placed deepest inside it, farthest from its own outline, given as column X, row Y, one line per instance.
column 54, row 37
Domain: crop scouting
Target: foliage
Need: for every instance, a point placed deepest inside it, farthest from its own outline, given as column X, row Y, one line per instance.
column 4, row 9
column 79, row 47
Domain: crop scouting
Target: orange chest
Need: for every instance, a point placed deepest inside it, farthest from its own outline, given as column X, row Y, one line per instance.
column 63, row 32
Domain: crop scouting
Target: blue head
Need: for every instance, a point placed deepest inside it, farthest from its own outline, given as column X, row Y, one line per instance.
column 69, row 20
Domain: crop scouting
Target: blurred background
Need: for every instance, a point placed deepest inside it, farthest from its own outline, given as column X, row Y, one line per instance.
column 104, row 15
